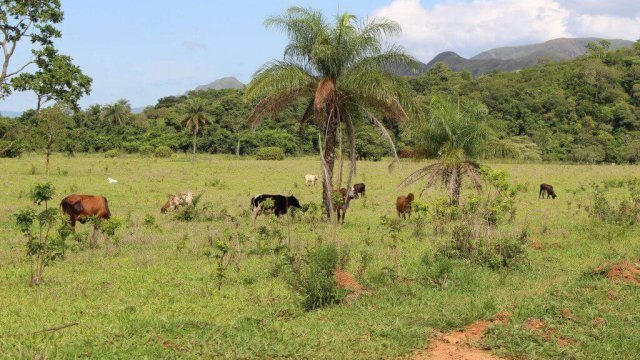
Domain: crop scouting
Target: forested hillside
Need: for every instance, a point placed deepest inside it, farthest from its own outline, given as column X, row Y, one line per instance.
column 583, row 110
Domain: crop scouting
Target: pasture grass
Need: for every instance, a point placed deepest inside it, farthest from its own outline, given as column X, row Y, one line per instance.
column 151, row 292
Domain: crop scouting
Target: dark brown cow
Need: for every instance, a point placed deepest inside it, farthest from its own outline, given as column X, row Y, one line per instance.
column 81, row 207
column 546, row 189
column 403, row 205
column 358, row 189
column 340, row 211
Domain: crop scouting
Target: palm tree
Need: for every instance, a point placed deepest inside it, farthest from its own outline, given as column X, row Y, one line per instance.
column 456, row 135
column 195, row 116
column 118, row 112
column 341, row 71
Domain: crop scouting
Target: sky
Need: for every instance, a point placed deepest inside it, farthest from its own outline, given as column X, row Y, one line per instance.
column 146, row 49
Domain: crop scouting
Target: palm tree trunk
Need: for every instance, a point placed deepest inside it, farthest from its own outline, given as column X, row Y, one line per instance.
column 194, row 145
column 455, row 184
column 329, row 159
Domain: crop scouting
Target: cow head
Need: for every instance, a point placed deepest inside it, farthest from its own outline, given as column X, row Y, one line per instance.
column 293, row 201
column 410, row 197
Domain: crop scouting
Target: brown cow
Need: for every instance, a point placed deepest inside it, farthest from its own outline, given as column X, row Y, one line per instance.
column 403, row 205
column 81, row 207
column 340, row 211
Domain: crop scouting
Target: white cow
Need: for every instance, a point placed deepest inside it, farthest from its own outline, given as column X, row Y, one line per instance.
column 112, row 181
column 310, row 179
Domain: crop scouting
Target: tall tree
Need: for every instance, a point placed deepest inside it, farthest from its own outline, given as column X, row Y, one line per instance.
column 117, row 113
column 57, row 79
column 25, row 21
column 341, row 70
column 195, row 115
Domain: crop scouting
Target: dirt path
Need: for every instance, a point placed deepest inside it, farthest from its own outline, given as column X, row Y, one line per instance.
column 458, row 345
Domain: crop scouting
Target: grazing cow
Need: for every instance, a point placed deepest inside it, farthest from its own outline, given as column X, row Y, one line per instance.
column 358, row 189
column 403, row 205
column 279, row 205
column 81, row 207
column 183, row 198
column 546, row 189
column 310, row 179
column 338, row 205
column 112, row 181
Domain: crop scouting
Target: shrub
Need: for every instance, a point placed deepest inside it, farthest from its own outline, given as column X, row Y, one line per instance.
column 270, row 153
column 131, row 147
column 313, row 276
column 113, row 153
column 163, row 152
column 43, row 245
column 146, row 150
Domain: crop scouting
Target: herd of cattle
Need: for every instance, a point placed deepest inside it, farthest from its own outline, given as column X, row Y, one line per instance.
column 82, row 207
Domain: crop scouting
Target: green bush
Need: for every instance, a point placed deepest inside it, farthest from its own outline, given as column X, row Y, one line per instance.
column 163, row 152
column 131, row 147
column 146, row 150
column 270, row 153
column 113, row 153
column 13, row 152
column 313, row 276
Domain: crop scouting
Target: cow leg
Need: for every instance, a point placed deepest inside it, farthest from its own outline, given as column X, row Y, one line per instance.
column 254, row 215
column 93, row 238
column 73, row 223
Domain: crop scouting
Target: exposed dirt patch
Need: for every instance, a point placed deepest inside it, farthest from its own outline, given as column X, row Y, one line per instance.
column 348, row 282
column 536, row 245
column 535, row 325
column 461, row 344
column 625, row 272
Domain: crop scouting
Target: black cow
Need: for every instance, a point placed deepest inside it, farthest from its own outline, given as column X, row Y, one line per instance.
column 546, row 189
column 278, row 206
column 358, row 189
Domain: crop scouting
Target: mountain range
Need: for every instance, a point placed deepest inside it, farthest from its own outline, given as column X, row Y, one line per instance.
column 513, row 58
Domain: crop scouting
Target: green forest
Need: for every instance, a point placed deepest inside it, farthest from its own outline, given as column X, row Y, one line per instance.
column 586, row 110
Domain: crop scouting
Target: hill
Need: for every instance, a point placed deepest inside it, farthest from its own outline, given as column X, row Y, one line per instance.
column 229, row 82
column 513, row 58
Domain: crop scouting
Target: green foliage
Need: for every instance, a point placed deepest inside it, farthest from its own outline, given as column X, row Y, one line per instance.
column 313, row 276
column 42, row 192
column 615, row 202
column 113, row 153
column 43, row 246
column 270, row 153
column 163, row 152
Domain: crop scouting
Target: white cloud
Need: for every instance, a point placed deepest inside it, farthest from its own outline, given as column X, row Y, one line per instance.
column 469, row 27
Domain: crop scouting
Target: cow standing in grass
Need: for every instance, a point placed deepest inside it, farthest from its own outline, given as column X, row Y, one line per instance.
column 174, row 202
column 358, row 189
column 403, row 205
column 81, row 207
column 272, row 204
column 548, row 190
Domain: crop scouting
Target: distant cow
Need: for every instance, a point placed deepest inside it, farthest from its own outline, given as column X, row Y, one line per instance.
column 546, row 189
column 310, row 179
column 174, row 202
column 403, row 205
column 277, row 204
column 338, row 205
column 81, row 207
column 358, row 189
column 112, row 181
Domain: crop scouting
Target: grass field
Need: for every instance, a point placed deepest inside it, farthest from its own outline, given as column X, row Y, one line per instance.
column 151, row 293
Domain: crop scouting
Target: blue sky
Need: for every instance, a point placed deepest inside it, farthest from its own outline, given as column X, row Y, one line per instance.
column 146, row 49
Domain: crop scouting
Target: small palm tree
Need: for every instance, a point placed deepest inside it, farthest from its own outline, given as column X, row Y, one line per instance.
column 455, row 134
column 118, row 112
column 341, row 71
column 195, row 116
